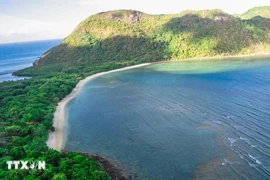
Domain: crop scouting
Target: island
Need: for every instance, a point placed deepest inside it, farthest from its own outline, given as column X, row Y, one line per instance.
column 101, row 43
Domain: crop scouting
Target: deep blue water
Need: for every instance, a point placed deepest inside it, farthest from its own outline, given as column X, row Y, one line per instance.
column 180, row 120
column 16, row 56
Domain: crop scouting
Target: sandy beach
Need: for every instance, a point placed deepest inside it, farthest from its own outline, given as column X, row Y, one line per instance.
column 56, row 139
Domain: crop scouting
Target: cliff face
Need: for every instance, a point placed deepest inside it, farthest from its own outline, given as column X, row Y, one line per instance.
column 132, row 37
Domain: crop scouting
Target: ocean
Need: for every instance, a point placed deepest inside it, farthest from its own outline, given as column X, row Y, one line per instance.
column 16, row 56
column 178, row 120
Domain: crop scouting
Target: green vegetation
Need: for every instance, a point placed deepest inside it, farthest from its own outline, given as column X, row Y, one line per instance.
column 26, row 113
column 103, row 42
column 134, row 37
column 263, row 11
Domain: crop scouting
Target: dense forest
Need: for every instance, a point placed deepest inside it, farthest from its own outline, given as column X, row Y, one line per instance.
column 104, row 42
column 127, row 36
column 26, row 113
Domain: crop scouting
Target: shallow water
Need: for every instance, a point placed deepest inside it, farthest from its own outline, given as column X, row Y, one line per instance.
column 178, row 120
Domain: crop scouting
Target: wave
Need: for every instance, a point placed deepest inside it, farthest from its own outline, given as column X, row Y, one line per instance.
column 227, row 161
column 248, row 142
column 252, row 165
column 217, row 122
column 258, row 138
column 254, row 159
column 233, row 140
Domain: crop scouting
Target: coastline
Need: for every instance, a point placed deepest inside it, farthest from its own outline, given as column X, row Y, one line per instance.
column 56, row 139
column 252, row 55
column 112, row 169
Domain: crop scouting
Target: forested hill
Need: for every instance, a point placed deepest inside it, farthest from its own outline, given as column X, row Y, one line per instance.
column 106, row 41
column 132, row 37
column 262, row 11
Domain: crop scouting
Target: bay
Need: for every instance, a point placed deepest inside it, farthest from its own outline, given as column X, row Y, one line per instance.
column 178, row 120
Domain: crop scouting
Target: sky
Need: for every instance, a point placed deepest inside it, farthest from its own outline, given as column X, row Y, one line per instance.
column 28, row 20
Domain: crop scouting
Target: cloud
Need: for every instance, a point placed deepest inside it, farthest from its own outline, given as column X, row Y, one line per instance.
column 16, row 29
column 86, row 2
column 91, row 2
column 22, row 37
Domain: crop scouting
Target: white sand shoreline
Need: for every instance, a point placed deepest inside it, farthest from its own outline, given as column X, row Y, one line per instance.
column 56, row 139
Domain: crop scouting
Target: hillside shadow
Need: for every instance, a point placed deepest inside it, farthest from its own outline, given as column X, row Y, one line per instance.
column 190, row 23
column 114, row 50
column 215, row 34
column 117, row 48
column 231, row 34
column 260, row 22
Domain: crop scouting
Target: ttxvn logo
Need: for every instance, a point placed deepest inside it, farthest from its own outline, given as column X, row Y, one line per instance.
column 26, row 165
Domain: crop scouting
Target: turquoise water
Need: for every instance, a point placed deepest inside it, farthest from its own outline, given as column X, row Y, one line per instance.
column 178, row 120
